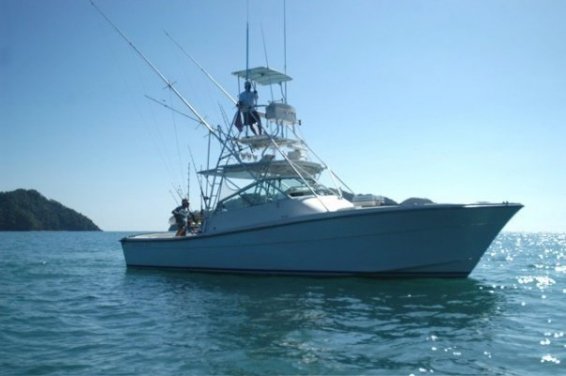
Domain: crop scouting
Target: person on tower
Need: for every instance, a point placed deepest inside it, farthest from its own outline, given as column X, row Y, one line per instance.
column 247, row 103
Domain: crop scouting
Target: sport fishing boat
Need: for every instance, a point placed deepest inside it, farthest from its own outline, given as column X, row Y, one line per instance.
column 269, row 210
column 273, row 215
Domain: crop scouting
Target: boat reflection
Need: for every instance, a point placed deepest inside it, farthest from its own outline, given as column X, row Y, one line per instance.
column 314, row 318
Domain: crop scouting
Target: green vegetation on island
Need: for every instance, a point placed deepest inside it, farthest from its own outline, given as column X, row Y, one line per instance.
column 28, row 210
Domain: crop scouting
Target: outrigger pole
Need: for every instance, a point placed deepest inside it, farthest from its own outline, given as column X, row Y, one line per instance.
column 171, row 108
column 200, row 119
column 228, row 95
column 154, row 68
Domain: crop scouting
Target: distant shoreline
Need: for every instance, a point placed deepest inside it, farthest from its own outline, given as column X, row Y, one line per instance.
column 29, row 210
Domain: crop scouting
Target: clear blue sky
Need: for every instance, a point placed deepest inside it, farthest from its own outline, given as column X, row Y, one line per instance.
column 456, row 101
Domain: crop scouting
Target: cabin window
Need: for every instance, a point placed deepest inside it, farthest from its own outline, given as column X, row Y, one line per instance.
column 259, row 193
column 270, row 190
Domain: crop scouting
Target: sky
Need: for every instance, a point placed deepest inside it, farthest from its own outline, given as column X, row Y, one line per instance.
column 456, row 101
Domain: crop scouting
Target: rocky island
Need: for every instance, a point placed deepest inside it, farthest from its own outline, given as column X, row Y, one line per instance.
column 29, row 210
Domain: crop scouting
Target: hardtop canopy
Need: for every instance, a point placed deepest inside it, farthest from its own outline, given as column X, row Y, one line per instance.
column 263, row 76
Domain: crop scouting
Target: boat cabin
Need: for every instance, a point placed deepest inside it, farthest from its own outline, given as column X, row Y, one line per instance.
column 274, row 199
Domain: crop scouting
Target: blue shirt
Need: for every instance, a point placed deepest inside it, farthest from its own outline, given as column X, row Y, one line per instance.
column 248, row 100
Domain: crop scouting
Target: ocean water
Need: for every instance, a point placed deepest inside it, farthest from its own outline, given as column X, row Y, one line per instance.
column 69, row 306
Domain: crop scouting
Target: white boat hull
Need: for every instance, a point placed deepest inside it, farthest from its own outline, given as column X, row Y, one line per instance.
column 431, row 240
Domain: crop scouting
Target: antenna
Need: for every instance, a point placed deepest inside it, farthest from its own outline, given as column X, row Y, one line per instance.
column 266, row 60
column 247, row 50
column 285, row 44
column 264, row 47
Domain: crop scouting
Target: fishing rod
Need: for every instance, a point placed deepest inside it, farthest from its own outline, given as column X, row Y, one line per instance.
column 173, row 197
column 226, row 93
column 178, row 191
column 202, row 194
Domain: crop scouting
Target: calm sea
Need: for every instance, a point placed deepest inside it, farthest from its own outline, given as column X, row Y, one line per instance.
column 69, row 306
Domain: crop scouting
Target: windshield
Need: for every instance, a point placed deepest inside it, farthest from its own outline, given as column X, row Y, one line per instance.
column 269, row 190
